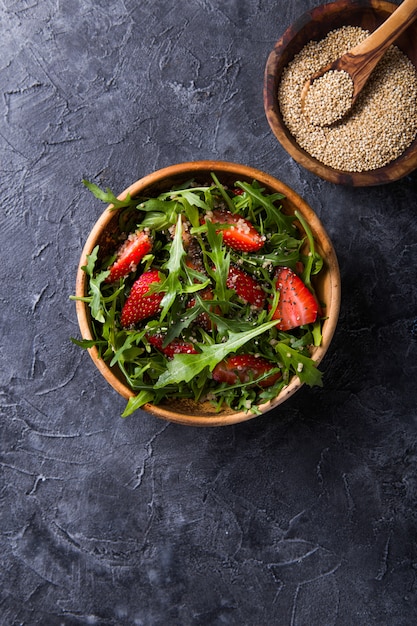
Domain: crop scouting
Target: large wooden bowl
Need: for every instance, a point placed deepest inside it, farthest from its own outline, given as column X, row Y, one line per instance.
column 315, row 25
column 327, row 285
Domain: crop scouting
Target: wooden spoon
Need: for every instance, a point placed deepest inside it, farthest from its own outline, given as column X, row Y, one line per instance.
column 362, row 59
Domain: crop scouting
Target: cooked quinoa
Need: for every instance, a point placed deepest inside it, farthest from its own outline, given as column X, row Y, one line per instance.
column 381, row 124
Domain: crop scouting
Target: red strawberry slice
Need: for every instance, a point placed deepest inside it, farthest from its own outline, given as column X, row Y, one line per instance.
column 176, row 346
column 244, row 368
column 139, row 305
column 246, row 287
column 130, row 253
column 297, row 305
column 242, row 236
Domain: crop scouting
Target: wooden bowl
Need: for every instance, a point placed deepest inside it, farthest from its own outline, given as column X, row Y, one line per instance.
column 327, row 286
column 315, row 25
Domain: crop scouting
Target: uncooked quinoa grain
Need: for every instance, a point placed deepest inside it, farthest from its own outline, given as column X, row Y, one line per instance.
column 328, row 98
column 381, row 124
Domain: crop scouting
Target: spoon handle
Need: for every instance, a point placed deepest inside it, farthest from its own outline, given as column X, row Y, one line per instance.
column 361, row 60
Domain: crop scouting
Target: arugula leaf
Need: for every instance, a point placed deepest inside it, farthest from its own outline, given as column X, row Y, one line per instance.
column 108, row 196
column 87, row 343
column 228, row 200
column 191, row 195
column 96, row 301
column 218, row 265
column 314, row 262
column 182, row 322
column 274, row 215
column 136, row 402
column 184, row 367
column 159, row 215
column 316, row 333
column 123, row 347
column 172, row 286
column 302, row 366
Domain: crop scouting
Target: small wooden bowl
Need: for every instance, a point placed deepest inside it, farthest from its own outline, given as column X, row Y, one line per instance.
column 327, row 285
column 315, row 25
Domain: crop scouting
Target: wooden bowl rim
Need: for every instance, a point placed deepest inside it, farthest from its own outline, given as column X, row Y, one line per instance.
column 397, row 169
column 186, row 168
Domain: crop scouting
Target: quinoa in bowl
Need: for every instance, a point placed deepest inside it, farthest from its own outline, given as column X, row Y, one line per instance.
column 376, row 141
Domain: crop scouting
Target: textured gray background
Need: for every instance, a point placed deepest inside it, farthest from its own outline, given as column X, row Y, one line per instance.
column 303, row 517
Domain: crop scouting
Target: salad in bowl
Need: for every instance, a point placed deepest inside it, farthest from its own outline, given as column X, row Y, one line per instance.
column 207, row 293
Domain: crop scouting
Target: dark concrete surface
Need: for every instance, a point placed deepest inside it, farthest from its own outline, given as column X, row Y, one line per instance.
column 305, row 516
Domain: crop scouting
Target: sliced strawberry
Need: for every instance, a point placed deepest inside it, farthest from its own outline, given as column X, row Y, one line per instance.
column 297, row 305
column 242, row 235
column 246, row 287
column 139, row 305
column 130, row 253
column 244, row 368
column 176, row 346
